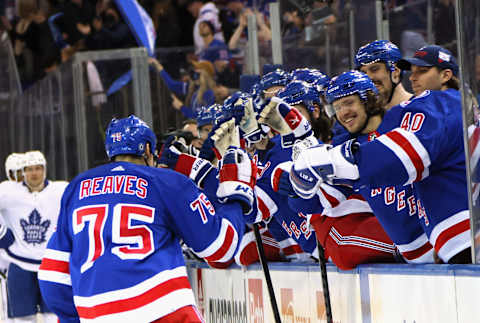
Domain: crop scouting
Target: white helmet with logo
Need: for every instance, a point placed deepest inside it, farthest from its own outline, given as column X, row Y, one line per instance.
column 34, row 157
column 14, row 163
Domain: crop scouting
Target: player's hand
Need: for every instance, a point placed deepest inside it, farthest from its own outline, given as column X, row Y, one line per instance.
column 323, row 163
column 286, row 120
column 237, row 181
column 226, row 135
column 173, row 155
column 302, row 145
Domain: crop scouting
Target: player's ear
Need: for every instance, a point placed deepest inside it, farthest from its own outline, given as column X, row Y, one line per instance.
column 446, row 75
column 396, row 75
column 148, row 155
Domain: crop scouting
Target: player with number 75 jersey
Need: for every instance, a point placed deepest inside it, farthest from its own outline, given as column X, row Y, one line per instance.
column 116, row 254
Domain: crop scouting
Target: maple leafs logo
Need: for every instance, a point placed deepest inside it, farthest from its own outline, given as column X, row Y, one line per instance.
column 34, row 230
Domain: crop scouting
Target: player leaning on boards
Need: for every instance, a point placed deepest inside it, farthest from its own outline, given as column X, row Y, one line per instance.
column 116, row 254
column 424, row 147
column 30, row 210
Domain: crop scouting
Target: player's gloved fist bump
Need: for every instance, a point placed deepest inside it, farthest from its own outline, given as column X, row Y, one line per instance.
column 193, row 167
column 343, row 160
column 224, row 136
column 305, row 179
column 280, row 179
column 301, row 145
column 238, row 179
column 286, row 120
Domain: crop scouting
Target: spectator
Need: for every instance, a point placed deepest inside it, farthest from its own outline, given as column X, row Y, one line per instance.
column 34, row 44
column 215, row 51
column 229, row 16
column 202, row 90
column 110, row 31
column 77, row 20
column 208, row 12
column 238, row 42
column 164, row 17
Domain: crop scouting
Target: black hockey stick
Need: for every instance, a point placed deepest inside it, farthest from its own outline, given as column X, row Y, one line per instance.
column 266, row 272
column 326, row 291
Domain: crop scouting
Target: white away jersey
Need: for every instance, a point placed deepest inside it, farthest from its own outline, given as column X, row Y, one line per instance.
column 32, row 217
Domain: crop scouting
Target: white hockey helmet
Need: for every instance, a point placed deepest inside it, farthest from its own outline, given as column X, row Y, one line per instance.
column 35, row 157
column 14, row 163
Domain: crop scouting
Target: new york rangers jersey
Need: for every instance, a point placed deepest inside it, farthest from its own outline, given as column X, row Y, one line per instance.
column 295, row 224
column 32, row 218
column 395, row 206
column 116, row 254
column 424, row 146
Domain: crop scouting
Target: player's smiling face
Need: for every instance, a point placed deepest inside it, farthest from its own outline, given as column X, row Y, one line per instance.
column 350, row 112
column 380, row 76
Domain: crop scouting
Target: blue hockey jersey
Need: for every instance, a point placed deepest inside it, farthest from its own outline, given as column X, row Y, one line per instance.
column 395, row 206
column 293, row 223
column 424, row 146
column 271, row 205
column 116, row 254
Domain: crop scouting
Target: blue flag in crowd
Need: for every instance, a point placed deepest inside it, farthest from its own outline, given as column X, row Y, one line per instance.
column 141, row 26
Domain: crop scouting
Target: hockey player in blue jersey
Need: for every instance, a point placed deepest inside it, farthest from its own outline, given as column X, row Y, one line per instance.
column 423, row 143
column 343, row 214
column 116, row 254
column 394, row 206
column 378, row 60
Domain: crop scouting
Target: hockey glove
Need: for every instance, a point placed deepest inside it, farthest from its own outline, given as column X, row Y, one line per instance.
column 280, row 180
column 248, row 122
column 237, row 181
column 224, row 136
column 286, row 120
column 193, row 167
column 207, row 151
column 323, row 163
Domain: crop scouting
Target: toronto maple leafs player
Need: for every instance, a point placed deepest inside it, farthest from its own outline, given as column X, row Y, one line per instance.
column 14, row 164
column 30, row 210
column 116, row 254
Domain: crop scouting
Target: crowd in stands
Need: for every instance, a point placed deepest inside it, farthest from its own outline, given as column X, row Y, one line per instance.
column 45, row 33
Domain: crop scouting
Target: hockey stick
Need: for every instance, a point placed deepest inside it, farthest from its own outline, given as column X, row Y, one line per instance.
column 326, row 291
column 266, row 272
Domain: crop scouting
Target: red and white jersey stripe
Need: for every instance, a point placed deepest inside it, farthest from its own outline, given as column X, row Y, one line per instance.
column 354, row 204
column 55, row 267
column 329, row 196
column 147, row 301
column 266, row 206
column 419, row 251
column 452, row 235
column 411, row 152
column 223, row 247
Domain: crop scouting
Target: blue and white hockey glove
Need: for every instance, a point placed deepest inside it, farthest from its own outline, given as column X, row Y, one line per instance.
column 193, row 167
column 323, row 163
column 237, row 181
column 286, row 120
column 280, row 179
